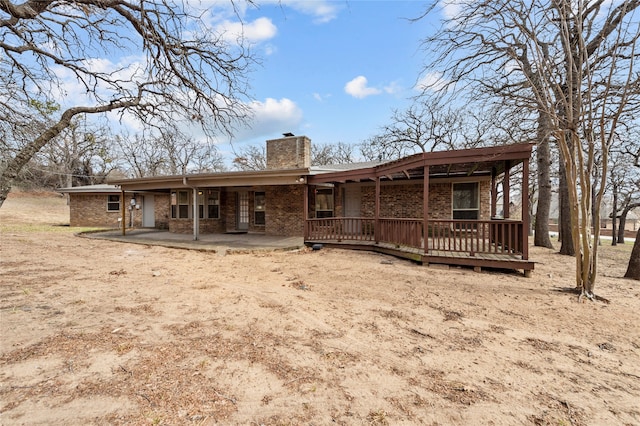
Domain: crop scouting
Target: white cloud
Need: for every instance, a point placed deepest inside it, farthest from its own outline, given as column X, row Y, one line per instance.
column 358, row 88
column 450, row 8
column 320, row 97
column 269, row 117
column 254, row 32
column 432, row 81
column 323, row 11
column 393, row 88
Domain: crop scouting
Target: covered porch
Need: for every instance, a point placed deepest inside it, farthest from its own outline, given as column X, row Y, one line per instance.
column 489, row 239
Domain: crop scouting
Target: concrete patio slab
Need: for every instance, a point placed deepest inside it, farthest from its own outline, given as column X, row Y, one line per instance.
column 218, row 243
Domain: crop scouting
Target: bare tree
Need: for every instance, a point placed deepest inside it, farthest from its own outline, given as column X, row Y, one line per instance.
column 338, row 153
column 168, row 153
column 186, row 72
column 624, row 184
column 139, row 158
column 574, row 62
column 80, row 155
column 251, row 157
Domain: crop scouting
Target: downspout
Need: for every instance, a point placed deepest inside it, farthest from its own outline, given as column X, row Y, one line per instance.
column 196, row 215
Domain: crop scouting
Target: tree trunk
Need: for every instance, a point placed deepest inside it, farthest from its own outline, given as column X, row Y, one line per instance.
column 564, row 224
column 623, row 221
column 633, row 270
column 543, row 154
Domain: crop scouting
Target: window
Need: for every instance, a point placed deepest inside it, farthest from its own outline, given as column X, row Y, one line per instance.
column 259, row 208
column 466, row 201
column 324, row 202
column 213, row 204
column 180, row 205
column 201, row 204
column 113, row 203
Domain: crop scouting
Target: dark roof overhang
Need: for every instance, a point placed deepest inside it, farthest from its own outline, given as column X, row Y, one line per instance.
column 446, row 164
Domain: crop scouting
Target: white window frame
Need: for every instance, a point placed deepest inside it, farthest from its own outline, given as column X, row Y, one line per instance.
column 257, row 208
column 111, row 203
column 210, row 200
column 176, row 204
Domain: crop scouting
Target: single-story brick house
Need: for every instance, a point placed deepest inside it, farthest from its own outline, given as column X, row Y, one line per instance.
column 383, row 206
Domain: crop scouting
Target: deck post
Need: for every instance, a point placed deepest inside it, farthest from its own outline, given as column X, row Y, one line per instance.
column 505, row 189
column 425, row 210
column 494, row 193
column 525, row 210
column 376, row 228
column 305, row 213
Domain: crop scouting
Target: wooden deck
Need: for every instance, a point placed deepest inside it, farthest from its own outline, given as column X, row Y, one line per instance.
column 477, row 244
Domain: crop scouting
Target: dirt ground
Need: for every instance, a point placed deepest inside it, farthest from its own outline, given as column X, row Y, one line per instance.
column 100, row 332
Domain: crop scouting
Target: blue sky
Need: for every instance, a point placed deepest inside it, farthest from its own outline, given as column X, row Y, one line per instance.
column 331, row 70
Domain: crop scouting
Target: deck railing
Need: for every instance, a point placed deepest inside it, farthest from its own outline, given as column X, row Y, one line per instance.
column 465, row 236
column 340, row 228
column 478, row 236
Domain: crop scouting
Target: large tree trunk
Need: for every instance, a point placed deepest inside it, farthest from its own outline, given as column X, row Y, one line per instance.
column 633, row 270
column 543, row 154
column 623, row 221
column 567, row 246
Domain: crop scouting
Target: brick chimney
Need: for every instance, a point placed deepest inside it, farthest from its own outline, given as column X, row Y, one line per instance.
column 289, row 152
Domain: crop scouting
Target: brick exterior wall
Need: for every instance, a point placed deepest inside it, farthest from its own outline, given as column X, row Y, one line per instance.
column 90, row 210
column 292, row 152
column 283, row 213
column 405, row 200
column 284, row 210
column 206, row 226
column 162, row 207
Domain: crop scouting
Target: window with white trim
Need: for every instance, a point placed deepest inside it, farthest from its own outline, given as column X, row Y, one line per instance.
column 213, row 203
column 180, row 205
column 113, row 203
column 259, row 208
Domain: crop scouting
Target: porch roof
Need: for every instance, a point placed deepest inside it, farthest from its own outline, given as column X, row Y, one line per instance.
column 223, row 179
column 464, row 162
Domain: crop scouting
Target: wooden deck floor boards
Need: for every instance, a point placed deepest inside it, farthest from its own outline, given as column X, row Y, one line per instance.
column 477, row 260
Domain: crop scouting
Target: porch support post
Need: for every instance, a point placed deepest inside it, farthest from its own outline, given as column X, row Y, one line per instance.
column 124, row 215
column 505, row 189
column 494, row 193
column 377, row 213
column 525, row 209
column 196, row 215
column 425, row 210
column 305, row 210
